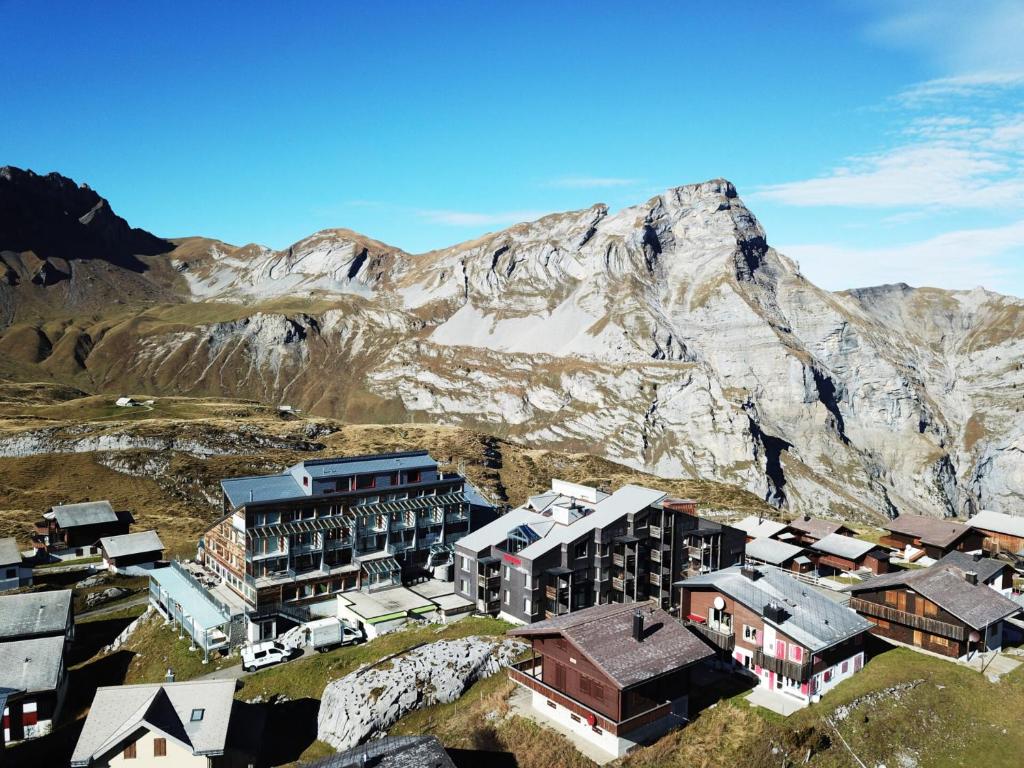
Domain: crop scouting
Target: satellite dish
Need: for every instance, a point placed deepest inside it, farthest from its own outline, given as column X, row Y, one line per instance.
column 975, row 636
column 719, row 603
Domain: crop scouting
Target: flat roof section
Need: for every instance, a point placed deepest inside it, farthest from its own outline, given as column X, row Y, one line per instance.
column 393, row 602
column 193, row 602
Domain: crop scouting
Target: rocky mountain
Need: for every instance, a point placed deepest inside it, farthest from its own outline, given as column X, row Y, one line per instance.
column 667, row 336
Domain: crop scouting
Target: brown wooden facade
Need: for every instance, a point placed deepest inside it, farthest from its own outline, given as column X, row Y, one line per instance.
column 968, row 541
column 908, row 617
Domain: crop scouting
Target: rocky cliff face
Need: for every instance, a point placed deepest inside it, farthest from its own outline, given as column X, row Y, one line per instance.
column 667, row 336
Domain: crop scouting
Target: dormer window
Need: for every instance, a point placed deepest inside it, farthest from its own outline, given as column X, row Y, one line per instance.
column 197, row 715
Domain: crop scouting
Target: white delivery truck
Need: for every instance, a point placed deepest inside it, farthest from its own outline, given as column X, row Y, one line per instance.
column 325, row 634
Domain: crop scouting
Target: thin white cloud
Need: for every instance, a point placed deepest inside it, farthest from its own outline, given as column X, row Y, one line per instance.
column 992, row 257
column 957, row 36
column 478, row 219
column 974, row 86
column 592, row 182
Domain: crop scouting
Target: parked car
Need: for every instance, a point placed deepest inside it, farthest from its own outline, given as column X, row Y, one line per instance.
column 265, row 654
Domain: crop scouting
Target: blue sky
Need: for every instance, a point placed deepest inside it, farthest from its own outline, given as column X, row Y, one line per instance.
column 876, row 141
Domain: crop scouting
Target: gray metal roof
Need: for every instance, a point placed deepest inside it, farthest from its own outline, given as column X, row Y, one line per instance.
column 32, row 665
column 627, row 499
column 810, row 619
column 84, row 513
column 495, row 531
column 366, row 465
column 131, row 544
column 843, row 546
column 118, row 712
column 10, row 554
column 772, row 551
column 245, row 490
column 473, row 495
column 759, row 527
column 997, row 522
column 604, row 633
column 390, row 752
column 34, row 613
column 976, row 605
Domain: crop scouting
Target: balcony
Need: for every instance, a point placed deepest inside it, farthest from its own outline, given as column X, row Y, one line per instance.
column 656, row 555
column 553, row 593
column 655, row 531
column 887, row 613
column 621, row 561
column 622, row 585
column 654, row 579
column 397, row 547
column 492, row 581
column 792, row 669
column 723, row 641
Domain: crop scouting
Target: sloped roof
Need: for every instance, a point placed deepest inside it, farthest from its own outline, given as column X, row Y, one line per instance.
column 31, row 665
column 930, row 530
column 496, row 530
column 131, row 544
column 987, row 520
column 34, row 613
column 604, row 633
column 759, row 527
column 843, row 546
column 627, row 499
column 10, row 554
column 985, row 567
column 84, row 513
column 391, row 752
column 810, row 618
column 772, row 551
column 118, row 712
column 816, row 526
column 976, row 605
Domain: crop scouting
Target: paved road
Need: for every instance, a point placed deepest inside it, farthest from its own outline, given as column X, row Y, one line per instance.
column 236, row 672
column 137, row 600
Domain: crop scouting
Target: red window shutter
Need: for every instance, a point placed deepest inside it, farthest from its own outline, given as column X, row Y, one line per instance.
column 804, row 687
column 29, row 718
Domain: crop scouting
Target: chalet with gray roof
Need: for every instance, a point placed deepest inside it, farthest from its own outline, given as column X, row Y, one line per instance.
column 943, row 609
column 1002, row 532
column 780, row 554
column 134, row 552
column 997, row 574
column 34, row 615
column 14, row 571
column 792, row 638
column 758, row 527
column 188, row 723
column 35, row 675
column 79, row 526
column 612, row 674
column 836, row 553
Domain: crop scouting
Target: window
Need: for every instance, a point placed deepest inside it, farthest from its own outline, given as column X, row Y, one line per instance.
column 465, row 563
column 508, row 597
column 129, row 752
column 527, row 609
column 12, row 572
column 585, row 685
column 413, row 476
column 750, row 633
column 197, row 715
column 462, row 586
column 796, row 653
column 160, row 747
column 846, row 667
column 508, row 573
column 580, row 550
column 364, row 482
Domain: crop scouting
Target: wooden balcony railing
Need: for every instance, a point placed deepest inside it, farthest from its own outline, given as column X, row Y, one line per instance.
column 888, row 613
column 523, row 674
column 791, row 669
column 724, row 641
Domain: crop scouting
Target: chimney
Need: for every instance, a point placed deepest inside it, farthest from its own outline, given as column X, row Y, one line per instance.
column 638, row 626
column 807, row 517
column 976, row 557
column 971, row 577
column 750, row 572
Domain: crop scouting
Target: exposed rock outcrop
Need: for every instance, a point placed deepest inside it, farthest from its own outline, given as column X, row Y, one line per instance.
column 367, row 702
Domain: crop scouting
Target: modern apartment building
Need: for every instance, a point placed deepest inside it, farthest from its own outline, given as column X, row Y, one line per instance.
column 327, row 526
column 576, row 546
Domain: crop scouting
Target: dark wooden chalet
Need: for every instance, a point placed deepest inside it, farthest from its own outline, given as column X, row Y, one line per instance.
column 79, row 526
column 807, row 530
column 844, row 554
column 932, row 535
column 611, row 673
column 943, row 609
